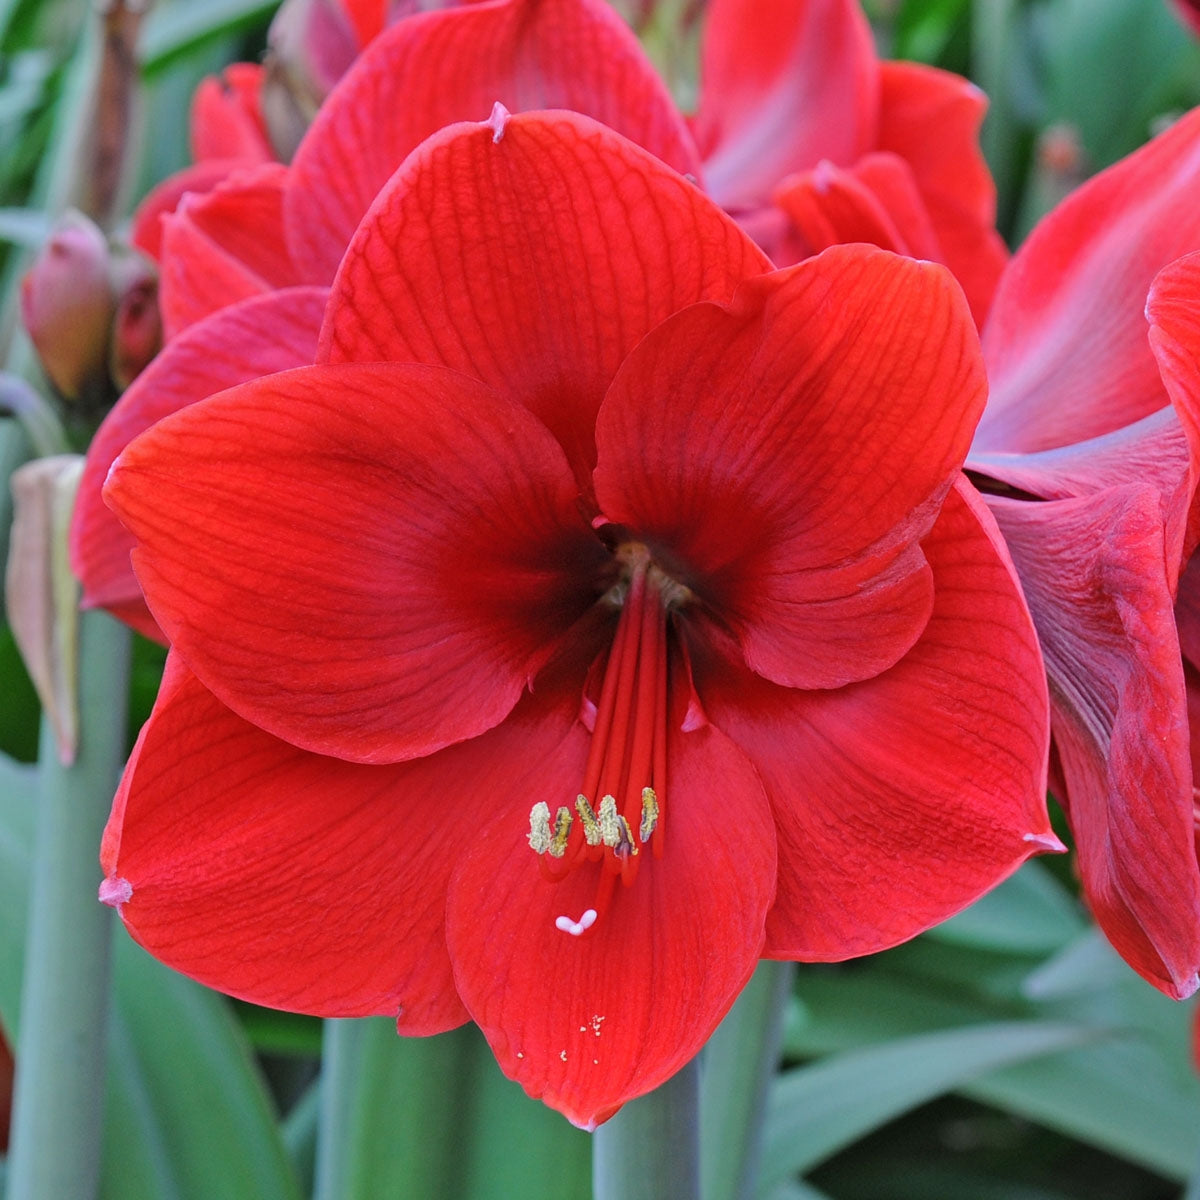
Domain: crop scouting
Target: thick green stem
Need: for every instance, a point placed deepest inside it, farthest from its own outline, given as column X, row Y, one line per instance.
column 58, row 1102
column 739, row 1064
column 390, row 1112
column 651, row 1148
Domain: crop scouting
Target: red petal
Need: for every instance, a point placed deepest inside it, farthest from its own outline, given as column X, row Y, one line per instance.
column 146, row 232
column 284, row 877
column 900, row 800
column 1187, row 612
column 875, row 201
column 1173, row 311
column 227, row 119
column 793, row 461
column 586, row 1023
column 784, row 84
column 1095, row 577
column 931, row 119
column 534, row 257
column 244, row 341
column 1153, row 449
column 1065, row 344
column 390, row 553
column 224, row 246
column 437, row 68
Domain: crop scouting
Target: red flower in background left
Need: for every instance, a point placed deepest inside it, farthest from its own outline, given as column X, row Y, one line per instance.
column 600, row 614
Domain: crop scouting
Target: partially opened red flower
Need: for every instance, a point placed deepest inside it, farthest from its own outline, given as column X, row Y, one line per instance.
column 599, row 615
column 811, row 141
column 1092, row 413
column 803, row 134
column 228, row 134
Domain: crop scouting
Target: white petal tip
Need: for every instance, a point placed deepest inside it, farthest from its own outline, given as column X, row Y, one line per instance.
column 575, row 928
column 1047, row 843
column 498, row 121
column 115, row 891
column 1187, row 987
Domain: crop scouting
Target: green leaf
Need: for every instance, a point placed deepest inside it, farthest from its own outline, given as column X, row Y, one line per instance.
column 174, row 29
column 24, row 226
column 1120, row 1096
column 1030, row 913
column 209, row 1109
column 924, row 28
column 817, row 1110
column 1088, row 44
column 1083, row 966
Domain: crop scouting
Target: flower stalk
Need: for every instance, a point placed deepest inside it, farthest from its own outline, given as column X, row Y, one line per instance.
column 738, row 1066
column 59, row 1093
column 651, row 1148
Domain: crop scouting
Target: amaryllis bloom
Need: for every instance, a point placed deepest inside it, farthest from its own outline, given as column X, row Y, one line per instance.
column 228, row 134
column 599, row 615
column 1088, row 445
column 810, row 141
column 802, row 135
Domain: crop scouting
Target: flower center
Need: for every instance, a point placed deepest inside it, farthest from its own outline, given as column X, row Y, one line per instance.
column 620, row 808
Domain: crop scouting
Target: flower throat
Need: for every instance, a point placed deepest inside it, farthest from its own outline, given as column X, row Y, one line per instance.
column 619, row 812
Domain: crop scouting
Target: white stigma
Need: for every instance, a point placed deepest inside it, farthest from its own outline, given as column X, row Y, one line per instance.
column 575, row 928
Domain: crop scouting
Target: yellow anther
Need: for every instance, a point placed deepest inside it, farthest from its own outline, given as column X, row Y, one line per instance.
column 591, row 826
column 624, row 846
column 562, row 827
column 610, row 829
column 649, row 814
column 539, row 827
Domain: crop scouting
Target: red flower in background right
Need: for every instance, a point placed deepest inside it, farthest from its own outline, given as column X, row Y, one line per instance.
column 1087, row 452
column 1189, row 10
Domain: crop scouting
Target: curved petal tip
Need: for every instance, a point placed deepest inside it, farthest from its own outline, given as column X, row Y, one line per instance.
column 115, row 891
column 497, row 121
column 1047, row 843
column 1182, row 989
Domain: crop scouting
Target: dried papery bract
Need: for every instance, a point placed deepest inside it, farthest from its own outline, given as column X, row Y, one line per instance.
column 41, row 594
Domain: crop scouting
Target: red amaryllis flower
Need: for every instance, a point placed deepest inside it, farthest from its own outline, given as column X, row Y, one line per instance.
column 599, row 615
column 811, row 141
column 228, row 134
column 805, row 137
column 1084, row 372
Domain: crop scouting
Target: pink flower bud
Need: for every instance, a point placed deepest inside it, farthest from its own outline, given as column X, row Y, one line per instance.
column 68, row 304
column 137, row 329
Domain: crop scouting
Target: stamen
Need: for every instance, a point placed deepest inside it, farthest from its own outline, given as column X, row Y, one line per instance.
column 539, row 827
column 649, row 814
column 610, row 831
column 624, row 847
column 591, row 826
column 575, row 928
column 562, row 830
column 627, row 755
